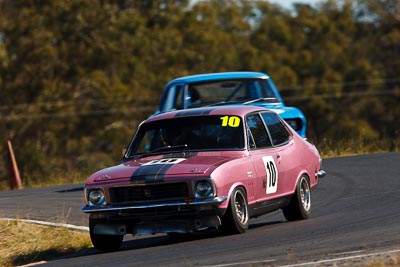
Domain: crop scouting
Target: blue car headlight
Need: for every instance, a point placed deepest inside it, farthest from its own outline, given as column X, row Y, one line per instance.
column 203, row 189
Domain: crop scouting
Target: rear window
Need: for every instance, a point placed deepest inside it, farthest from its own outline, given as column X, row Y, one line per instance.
column 279, row 133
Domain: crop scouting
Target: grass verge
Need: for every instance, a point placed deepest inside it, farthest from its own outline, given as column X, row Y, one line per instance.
column 23, row 243
column 354, row 146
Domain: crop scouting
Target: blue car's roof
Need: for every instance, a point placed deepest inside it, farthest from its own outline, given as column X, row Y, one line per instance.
column 220, row 76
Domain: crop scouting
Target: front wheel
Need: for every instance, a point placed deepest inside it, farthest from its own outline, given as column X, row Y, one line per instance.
column 300, row 205
column 236, row 219
column 104, row 242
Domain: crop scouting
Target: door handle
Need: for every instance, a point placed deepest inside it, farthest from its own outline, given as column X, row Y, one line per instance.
column 278, row 156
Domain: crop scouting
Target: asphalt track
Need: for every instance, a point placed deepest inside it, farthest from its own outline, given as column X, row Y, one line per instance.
column 356, row 212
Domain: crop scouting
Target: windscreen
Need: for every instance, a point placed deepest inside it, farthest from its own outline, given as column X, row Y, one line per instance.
column 238, row 90
column 222, row 132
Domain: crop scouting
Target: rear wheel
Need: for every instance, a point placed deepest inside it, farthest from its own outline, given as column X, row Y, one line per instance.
column 300, row 205
column 236, row 218
column 104, row 242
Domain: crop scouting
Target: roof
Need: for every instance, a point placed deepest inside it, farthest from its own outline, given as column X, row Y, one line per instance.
column 239, row 110
column 220, row 76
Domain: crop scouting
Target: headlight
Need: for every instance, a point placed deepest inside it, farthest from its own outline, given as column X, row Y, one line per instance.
column 203, row 189
column 95, row 197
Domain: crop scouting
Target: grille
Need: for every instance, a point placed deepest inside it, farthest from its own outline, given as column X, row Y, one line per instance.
column 148, row 193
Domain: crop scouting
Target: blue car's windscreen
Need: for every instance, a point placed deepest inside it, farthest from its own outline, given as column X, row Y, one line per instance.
column 228, row 91
column 189, row 133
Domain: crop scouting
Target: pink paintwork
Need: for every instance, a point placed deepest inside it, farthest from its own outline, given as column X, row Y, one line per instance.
column 221, row 168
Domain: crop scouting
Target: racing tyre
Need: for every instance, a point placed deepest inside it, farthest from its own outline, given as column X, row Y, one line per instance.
column 236, row 218
column 104, row 242
column 300, row 205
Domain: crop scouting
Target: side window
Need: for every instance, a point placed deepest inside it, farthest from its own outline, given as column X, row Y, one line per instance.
column 267, row 90
column 250, row 139
column 253, row 90
column 194, row 97
column 258, row 131
column 172, row 98
column 277, row 129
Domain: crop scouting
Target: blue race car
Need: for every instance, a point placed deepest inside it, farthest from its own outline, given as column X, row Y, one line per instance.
column 229, row 88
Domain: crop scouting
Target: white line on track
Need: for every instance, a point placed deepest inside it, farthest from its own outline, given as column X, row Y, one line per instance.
column 316, row 263
column 33, row 264
column 238, row 263
column 65, row 225
column 347, row 253
column 313, row 263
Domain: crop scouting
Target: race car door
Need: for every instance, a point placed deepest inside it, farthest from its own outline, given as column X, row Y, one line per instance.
column 268, row 151
column 284, row 150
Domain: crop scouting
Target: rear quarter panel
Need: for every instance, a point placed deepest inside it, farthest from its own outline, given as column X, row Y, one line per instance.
column 309, row 160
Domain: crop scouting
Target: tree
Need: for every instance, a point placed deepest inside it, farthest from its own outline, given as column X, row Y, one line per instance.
column 76, row 77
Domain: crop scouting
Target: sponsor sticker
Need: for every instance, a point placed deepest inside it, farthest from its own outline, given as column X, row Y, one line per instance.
column 164, row 161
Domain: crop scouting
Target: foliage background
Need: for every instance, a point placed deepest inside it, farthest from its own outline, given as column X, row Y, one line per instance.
column 77, row 76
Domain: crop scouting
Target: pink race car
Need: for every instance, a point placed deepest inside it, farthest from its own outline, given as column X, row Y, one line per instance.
column 212, row 167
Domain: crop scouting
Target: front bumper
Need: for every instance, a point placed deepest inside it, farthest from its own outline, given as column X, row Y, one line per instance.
column 167, row 217
column 188, row 203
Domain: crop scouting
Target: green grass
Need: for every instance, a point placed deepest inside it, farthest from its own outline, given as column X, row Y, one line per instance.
column 356, row 146
column 23, row 243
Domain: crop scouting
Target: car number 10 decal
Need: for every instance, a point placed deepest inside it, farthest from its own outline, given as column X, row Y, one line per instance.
column 272, row 174
column 231, row 121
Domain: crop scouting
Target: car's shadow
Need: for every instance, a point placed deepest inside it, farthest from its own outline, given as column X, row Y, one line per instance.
column 170, row 239
column 142, row 242
column 163, row 239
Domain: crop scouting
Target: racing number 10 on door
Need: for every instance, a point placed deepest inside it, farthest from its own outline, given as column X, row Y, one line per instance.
column 272, row 174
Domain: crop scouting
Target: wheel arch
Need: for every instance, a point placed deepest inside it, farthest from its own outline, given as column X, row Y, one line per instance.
column 225, row 204
column 301, row 174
